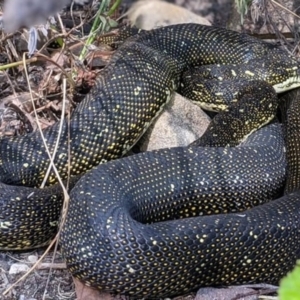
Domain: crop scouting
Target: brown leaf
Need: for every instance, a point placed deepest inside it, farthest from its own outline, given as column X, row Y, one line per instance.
column 99, row 58
column 61, row 59
column 84, row 292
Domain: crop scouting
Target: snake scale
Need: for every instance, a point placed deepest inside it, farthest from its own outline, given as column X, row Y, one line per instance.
column 135, row 225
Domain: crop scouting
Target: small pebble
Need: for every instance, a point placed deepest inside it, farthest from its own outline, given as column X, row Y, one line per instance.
column 32, row 258
column 18, row 268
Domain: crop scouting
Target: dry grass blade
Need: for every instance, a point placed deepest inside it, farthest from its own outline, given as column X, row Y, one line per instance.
column 66, row 195
column 25, row 63
column 42, row 135
column 34, row 266
column 286, row 9
column 59, row 134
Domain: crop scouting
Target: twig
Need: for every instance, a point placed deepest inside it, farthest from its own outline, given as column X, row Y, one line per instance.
column 286, row 9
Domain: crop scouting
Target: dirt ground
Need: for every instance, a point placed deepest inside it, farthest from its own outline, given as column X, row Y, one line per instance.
column 50, row 280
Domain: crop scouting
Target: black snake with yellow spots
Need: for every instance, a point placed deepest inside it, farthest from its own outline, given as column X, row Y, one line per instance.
column 106, row 240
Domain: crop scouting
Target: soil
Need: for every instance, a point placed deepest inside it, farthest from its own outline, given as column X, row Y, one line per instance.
column 42, row 283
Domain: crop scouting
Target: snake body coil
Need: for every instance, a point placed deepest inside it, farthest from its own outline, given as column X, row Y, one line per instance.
column 104, row 239
column 123, row 254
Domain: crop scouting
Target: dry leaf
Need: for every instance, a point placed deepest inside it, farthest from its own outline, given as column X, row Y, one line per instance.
column 84, row 292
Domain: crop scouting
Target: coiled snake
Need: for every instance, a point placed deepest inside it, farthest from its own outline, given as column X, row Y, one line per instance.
column 106, row 240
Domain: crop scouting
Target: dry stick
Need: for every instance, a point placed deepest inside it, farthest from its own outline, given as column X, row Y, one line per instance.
column 69, row 78
column 46, row 266
column 41, row 266
column 35, row 59
column 34, row 266
column 58, row 136
column 61, row 24
column 65, row 34
column 41, row 132
column 286, row 9
column 18, row 63
column 47, row 174
column 66, row 195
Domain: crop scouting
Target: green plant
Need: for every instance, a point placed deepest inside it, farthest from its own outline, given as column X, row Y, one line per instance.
column 242, row 7
column 102, row 22
column 290, row 285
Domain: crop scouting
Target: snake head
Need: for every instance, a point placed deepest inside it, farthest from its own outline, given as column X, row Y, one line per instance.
column 283, row 73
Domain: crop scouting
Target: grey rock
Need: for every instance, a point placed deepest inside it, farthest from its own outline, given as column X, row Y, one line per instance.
column 148, row 14
column 18, row 268
column 181, row 123
column 236, row 292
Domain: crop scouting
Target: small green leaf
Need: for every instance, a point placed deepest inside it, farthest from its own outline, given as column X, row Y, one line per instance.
column 290, row 285
column 112, row 23
column 103, row 20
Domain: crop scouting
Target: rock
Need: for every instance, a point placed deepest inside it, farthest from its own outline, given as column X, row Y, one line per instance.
column 18, row 268
column 185, row 122
column 84, row 292
column 147, row 14
column 32, row 258
column 181, row 123
column 22, row 297
column 235, row 292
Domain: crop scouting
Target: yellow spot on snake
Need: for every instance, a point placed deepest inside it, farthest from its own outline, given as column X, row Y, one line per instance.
column 52, row 179
column 61, row 155
column 26, row 243
column 137, row 90
column 249, row 73
column 5, row 225
column 131, row 270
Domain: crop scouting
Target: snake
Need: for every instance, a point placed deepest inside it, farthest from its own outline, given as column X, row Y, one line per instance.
column 135, row 225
